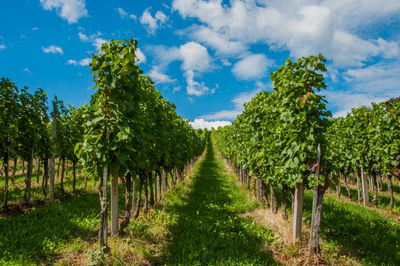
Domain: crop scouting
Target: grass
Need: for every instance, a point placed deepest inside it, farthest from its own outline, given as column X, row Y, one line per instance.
column 32, row 238
column 360, row 232
column 206, row 227
column 204, row 220
column 200, row 222
column 352, row 233
column 383, row 198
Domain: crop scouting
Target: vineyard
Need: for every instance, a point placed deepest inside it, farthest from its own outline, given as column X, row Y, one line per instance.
column 126, row 180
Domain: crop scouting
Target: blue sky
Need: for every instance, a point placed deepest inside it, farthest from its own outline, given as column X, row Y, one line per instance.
column 207, row 57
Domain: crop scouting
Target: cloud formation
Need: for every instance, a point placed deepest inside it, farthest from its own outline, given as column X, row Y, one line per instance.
column 95, row 39
column 70, row 10
column 159, row 77
column 122, row 12
column 52, row 49
column 238, row 102
column 83, row 62
column 153, row 23
column 141, row 58
column 302, row 27
column 253, row 66
column 195, row 59
column 201, row 123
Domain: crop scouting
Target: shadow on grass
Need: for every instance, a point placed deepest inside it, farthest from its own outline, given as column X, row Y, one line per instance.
column 33, row 237
column 383, row 199
column 395, row 187
column 16, row 193
column 208, row 228
column 360, row 232
column 363, row 233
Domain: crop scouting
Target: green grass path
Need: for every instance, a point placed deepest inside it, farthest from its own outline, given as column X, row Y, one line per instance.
column 206, row 226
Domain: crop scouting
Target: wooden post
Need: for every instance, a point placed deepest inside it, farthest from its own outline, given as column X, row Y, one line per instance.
column 103, row 206
column 359, row 194
column 53, row 151
column 157, row 186
column 259, row 189
column 338, row 186
column 364, row 180
column 133, row 193
column 298, row 211
column 114, row 203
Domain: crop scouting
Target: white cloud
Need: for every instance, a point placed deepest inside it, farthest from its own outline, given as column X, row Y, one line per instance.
column 132, row 16
column 83, row 62
column 344, row 101
column 72, row 62
column 374, row 83
column 140, row 56
column 159, row 77
column 224, row 114
column 379, row 80
column 201, row 123
column 122, row 12
column 195, row 87
column 2, row 47
column 194, row 56
column 238, row 102
column 35, row 29
column 83, row 37
column 71, row 10
column 153, row 23
column 98, row 42
column 226, row 62
column 302, row 27
column 195, row 59
column 27, row 70
column 252, row 67
column 52, row 49
column 350, row 50
column 164, row 55
column 388, row 49
column 217, row 41
column 356, row 13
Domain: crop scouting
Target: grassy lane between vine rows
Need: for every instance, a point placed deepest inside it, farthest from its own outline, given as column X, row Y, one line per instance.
column 207, row 226
column 199, row 222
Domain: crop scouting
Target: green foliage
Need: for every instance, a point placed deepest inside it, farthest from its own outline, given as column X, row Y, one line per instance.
column 32, row 122
column 277, row 135
column 129, row 126
column 8, row 114
column 368, row 138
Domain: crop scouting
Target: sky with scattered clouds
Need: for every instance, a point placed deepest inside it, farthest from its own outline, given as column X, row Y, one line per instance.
column 207, row 57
